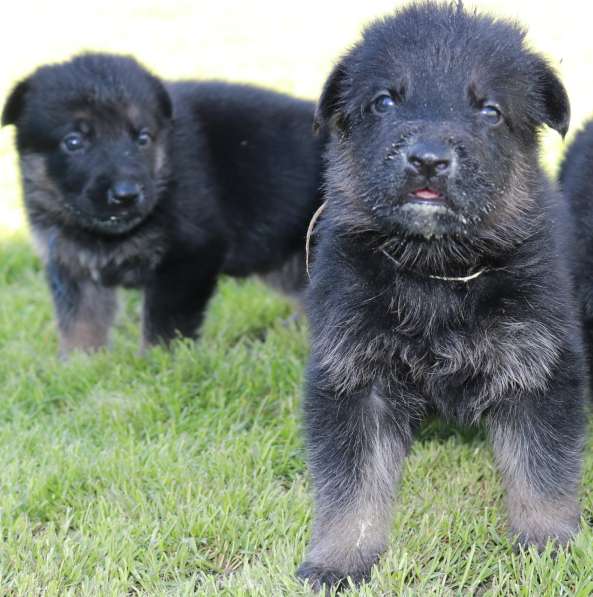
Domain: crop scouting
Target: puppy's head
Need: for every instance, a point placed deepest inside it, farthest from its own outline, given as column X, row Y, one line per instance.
column 92, row 138
column 435, row 116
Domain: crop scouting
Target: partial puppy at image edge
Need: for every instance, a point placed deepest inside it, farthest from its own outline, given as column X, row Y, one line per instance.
column 576, row 181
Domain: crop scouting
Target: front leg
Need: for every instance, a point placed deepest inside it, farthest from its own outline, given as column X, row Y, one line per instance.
column 357, row 444
column 176, row 297
column 538, row 444
column 84, row 310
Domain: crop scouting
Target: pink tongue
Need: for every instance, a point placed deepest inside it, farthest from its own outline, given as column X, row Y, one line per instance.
column 426, row 194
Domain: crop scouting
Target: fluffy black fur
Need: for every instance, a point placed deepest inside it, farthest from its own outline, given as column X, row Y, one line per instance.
column 130, row 181
column 576, row 179
column 440, row 282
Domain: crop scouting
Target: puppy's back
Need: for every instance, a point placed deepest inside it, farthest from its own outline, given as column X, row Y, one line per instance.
column 265, row 159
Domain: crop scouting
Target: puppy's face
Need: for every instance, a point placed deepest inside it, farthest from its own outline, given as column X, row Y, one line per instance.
column 435, row 117
column 92, row 137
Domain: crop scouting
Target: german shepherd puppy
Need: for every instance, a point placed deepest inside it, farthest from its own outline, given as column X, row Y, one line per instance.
column 576, row 180
column 441, row 280
column 129, row 181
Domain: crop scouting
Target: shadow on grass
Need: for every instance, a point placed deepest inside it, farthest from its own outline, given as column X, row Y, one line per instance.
column 437, row 429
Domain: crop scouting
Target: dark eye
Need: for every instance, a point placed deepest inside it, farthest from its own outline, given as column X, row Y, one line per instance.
column 382, row 103
column 73, row 142
column 144, row 138
column 491, row 114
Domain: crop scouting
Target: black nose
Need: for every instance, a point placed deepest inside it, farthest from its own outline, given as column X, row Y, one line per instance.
column 430, row 159
column 125, row 192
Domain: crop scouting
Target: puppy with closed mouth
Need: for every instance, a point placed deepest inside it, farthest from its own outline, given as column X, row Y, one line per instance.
column 130, row 181
column 576, row 180
column 440, row 282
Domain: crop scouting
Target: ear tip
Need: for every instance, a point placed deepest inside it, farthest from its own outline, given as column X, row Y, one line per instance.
column 6, row 119
column 13, row 106
column 564, row 125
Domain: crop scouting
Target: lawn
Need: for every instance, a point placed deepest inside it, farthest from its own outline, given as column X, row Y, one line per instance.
column 183, row 473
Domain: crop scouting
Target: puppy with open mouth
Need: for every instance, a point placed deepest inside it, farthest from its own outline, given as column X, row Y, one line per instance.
column 441, row 280
column 132, row 181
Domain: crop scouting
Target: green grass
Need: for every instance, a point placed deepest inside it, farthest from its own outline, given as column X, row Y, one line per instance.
column 183, row 473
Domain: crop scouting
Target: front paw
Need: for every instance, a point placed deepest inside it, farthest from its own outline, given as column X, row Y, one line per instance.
column 541, row 526
column 322, row 579
column 561, row 538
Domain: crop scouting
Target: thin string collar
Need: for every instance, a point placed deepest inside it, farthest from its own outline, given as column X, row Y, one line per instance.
column 464, row 279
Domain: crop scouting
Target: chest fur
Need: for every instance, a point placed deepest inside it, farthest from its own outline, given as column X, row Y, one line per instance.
column 126, row 263
column 480, row 361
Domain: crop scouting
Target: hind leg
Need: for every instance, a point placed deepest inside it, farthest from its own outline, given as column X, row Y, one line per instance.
column 175, row 300
column 291, row 280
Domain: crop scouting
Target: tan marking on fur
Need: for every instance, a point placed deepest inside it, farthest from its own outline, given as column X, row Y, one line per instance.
column 40, row 244
column 350, row 539
column 535, row 518
column 513, row 355
column 88, row 328
column 33, row 166
column 515, row 204
column 40, row 191
column 160, row 159
column 85, row 262
column 83, row 335
column 350, row 351
column 82, row 115
column 133, row 113
column 37, row 184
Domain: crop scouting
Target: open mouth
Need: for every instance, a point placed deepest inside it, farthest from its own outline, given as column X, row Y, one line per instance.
column 121, row 221
column 114, row 220
column 110, row 224
column 427, row 196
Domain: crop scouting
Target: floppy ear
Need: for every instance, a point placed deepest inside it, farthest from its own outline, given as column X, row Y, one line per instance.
column 553, row 100
column 15, row 103
column 164, row 98
column 328, row 111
